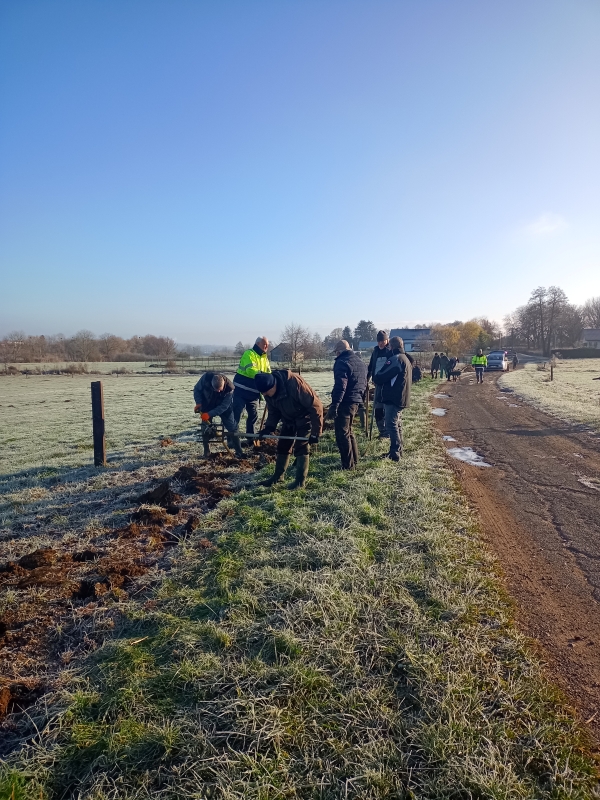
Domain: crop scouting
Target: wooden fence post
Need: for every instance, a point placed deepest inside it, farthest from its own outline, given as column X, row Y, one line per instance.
column 98, row 424
column 551, row 372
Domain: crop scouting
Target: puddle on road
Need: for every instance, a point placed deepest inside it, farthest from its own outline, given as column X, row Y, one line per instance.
column 439, row 412
column 441, row 396
column 448, row 438
column 513, row 405
column 468, row 455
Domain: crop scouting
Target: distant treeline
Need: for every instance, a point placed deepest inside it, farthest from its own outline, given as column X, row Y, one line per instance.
column 549, row 321
column 85, row 346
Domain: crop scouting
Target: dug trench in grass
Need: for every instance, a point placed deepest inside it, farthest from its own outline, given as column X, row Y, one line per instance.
column 348, row 641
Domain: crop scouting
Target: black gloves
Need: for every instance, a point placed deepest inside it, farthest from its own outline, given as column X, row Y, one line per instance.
column 331, row 414
column 313, row 439
column 265, row 433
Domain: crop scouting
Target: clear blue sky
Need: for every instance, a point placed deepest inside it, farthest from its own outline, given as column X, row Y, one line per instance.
column 212, row 169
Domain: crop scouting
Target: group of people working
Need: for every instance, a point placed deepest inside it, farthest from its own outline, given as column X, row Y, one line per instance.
column 444, row 365
column 291, row 402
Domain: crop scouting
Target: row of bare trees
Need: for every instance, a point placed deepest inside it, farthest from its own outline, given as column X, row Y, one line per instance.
column 300, row 344
column 17, row 346
column 549, row 320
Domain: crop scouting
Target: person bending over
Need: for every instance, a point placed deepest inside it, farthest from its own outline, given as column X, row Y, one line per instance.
column 291, row 401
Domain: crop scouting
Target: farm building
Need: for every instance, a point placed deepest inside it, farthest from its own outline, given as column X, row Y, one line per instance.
column 281, row 353
column 413, row 338
column 591, row 337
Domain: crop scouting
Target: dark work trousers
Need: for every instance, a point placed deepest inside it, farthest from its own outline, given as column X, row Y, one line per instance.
column 380, row 419
column 229, row 423
column 245, row 400
column 479, row 374
column 393, row 425
column 344, row 437
column 297, row 427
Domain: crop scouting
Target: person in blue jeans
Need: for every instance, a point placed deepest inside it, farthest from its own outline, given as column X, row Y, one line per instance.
column 214, row 398
column 395, row 378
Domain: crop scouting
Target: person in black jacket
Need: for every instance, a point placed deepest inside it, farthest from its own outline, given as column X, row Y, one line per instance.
column 350, row 383
column 435, row 365
column 395, row 378
column 214, row 398
column 381, row 353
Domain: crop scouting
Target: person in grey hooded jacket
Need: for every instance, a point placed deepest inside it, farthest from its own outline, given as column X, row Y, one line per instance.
column 395, row 379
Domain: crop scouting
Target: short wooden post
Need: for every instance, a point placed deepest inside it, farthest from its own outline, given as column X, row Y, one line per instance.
column 551, row 372
column 98, row 424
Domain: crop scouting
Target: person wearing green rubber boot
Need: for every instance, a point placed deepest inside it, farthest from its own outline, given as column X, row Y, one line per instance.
column 291, row 401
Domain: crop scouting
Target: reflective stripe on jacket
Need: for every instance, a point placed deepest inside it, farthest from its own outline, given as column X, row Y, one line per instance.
column 479, row 361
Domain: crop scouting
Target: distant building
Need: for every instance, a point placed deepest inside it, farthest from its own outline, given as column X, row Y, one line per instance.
column 590, row 337
column 282, row 353
column 366, row 345
column 415, row 339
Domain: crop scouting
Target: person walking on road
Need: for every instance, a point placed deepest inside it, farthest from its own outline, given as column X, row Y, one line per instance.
column 435, row 365
column 350, row 383
column 479, row 361
column 515, row 361
column 444, row 361
column 381, row 353
column 395, row 379
column 246, row 395
column 214, row 398
column 293, row 402
column 452, row 362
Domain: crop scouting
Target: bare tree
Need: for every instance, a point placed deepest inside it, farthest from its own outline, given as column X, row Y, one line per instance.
column 110, row 345
column 570, row 325
column 13, row 345
column 82, row 346
column 298, row 338
column 591, row 312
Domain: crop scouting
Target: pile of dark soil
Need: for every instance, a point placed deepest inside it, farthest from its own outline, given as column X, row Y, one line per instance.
column 66, row 599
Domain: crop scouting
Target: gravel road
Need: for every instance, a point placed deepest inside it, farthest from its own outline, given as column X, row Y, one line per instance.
column 540, row 509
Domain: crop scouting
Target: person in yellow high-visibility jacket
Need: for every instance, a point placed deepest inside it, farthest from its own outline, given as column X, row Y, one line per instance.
column 479, row 361
column 246, row 394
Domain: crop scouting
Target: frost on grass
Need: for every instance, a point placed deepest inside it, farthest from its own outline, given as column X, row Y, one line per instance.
column 572, row 396
column 348, row 641
column 46, row 420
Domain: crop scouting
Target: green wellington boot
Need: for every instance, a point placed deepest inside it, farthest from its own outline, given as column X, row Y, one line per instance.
column 233, row 441
column 281, row 464
column 302, row 463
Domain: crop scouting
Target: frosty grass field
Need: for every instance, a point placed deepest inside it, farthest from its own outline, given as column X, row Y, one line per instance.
column 572, row 396
column 45, row 420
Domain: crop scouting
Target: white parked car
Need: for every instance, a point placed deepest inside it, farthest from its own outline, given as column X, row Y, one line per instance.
column 497, row 360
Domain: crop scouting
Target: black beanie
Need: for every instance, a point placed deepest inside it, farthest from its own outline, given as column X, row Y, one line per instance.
column 264, row 381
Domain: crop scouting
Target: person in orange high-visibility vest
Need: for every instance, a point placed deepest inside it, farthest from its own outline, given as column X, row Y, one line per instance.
column 480, row 363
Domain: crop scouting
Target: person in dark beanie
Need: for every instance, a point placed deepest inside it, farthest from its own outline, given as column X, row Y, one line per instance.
column 435, row 365
column 381, row 353
column 291, row 401
column 395, row 379
column 350, row 383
